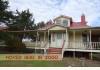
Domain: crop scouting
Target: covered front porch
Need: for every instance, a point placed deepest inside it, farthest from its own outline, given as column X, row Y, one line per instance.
column 50, row 38
column 65, row 39
column 84, row 40
column 80, row 39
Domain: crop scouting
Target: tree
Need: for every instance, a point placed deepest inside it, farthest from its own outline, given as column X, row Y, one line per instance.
column 15, row 21
column 40, row 24
column 13, row 43
column 5, row 15
column 22, row 21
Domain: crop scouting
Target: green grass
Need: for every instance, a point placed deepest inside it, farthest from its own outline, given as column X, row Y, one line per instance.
column 31, row 63
column 64, row 63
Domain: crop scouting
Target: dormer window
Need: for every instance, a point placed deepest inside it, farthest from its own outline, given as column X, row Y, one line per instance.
column 65, row 22
column 58, row 21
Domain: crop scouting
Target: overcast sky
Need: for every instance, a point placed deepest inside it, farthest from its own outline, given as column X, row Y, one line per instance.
column 45, row 10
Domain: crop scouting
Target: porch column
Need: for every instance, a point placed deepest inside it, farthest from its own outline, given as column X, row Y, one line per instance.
column 44, row 36
column 44, row 43
column 36, row 41
column 37, row 37
column 91, row 44
column 48, row 39
column 66, row 40
column 74, row 43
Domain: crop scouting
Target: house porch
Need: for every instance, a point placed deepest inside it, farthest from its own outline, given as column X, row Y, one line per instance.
column 79, row 40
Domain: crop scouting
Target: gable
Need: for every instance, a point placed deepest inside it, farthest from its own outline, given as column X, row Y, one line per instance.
column 62, row 16
column 57, row 28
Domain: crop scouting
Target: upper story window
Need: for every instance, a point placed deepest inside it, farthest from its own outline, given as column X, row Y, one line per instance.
column 58, row 21
column 65, row 22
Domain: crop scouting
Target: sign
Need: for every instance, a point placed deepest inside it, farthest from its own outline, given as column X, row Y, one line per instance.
column 30, row 57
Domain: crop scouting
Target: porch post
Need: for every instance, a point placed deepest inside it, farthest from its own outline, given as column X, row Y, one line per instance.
column 65, row 41
column 74, row 43
column 44, row 36
column 48, row 39
column 91, row 45
column 44, row 43
column 36, row 40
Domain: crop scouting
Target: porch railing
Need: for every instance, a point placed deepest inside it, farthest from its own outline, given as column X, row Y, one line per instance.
column 71, row 45
column 36, row 45
column 84, row 45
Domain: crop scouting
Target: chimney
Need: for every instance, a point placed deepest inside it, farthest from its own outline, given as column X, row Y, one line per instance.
column 83, row 21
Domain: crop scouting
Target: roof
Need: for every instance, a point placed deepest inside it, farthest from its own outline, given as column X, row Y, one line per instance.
column 95, row 28
column 46, row 27
column 73, row 25
column 78, row 25
column 79, row 28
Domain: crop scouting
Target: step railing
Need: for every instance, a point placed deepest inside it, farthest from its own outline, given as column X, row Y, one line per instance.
column 84, row 45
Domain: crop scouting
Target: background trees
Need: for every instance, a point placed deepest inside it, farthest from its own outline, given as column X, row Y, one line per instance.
column 15, row 21
column 40, row 25
column 5, row 15
column 22, row 21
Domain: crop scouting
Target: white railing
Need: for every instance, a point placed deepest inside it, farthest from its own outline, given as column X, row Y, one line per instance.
column 95, row 45
column 84, row 45
column 36, row 44
column 71, row 45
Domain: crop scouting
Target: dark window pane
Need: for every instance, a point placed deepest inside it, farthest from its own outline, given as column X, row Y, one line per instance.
column 65, row 22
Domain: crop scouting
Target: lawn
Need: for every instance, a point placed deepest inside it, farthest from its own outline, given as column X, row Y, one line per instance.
column 68, row 61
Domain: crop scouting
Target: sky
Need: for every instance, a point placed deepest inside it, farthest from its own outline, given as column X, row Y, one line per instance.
column 44, row 10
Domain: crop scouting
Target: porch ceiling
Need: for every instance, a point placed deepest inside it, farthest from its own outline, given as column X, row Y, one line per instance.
column 57, row 27
column 95, row 32
column 86, row 31
column 57, row 31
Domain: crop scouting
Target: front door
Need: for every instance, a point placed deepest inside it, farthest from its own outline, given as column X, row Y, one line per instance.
column 59, row 40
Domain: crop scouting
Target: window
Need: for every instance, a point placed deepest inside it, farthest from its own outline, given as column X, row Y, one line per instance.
column 65, row 22
column 58, row 21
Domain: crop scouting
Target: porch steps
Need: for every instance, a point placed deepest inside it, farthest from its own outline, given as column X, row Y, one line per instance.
column 54, row 50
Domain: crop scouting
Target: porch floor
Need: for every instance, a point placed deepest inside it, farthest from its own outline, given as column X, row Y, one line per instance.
column 71, row 49
column 83, row 50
